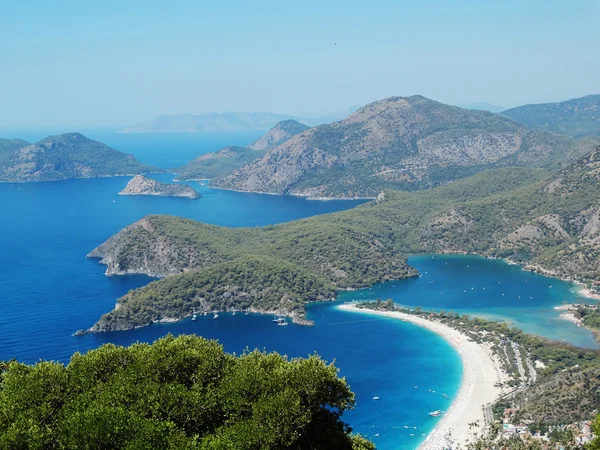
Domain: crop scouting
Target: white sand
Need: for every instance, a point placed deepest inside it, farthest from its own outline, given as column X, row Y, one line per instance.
column 481, row 370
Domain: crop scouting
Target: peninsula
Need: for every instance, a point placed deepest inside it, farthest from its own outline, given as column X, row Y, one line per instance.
column 141, row 185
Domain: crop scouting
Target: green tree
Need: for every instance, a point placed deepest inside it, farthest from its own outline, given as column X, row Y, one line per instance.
column 178, row 393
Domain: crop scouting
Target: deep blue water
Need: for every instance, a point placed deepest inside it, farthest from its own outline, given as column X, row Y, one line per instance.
column 48, row 289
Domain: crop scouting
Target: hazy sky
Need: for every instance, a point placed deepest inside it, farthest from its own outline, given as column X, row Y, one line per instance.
column 110, row 63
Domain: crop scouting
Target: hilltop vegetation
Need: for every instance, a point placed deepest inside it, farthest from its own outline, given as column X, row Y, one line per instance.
column 178, row 393
column 65, row 156
column 576, row 117
column 400, row 143
column 547, row 222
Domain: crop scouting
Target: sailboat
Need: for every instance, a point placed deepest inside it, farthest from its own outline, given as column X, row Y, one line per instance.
column 216, row 316
column 247, row 313
column 194, row 316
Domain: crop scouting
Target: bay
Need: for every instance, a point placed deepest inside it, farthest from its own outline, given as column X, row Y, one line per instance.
column 48, row 289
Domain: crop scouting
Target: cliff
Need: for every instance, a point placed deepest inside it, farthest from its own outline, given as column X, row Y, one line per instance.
column 141, row 185
column 65, row 156
column 399, row 143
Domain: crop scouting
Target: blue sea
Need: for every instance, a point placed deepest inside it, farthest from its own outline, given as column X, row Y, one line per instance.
column 48, row 289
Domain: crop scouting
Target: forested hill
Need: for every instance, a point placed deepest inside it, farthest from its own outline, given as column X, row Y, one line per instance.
column 528, row 215
column 65, row 156
column 576, row 117
column 222, row 163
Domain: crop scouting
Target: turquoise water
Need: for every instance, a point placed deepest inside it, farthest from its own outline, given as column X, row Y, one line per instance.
column 48, row 289
column 487, row 288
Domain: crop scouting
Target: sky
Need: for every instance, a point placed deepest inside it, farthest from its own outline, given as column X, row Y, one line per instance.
column 112, row 63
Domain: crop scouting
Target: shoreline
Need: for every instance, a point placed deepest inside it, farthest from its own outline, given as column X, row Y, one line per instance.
column 582, row 289
column 481, row 372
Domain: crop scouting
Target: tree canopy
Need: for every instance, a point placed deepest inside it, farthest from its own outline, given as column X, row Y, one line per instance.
column 178, row 393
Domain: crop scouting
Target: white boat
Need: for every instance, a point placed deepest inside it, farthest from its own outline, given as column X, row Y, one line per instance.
column 247, row 313
column 194, row 316
column 205, row 313
column 436, row 413
column 216, row 316
column 282, row 324
column 233, row 313
column 375, row 398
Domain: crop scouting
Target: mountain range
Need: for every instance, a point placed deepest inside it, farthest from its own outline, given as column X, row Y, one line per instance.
column 229, row 121
column 401, row 143
column 576, row 117
column 64, row 156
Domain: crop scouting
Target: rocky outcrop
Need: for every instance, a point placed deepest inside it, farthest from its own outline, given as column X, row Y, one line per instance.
column 406, row 143
column 140, row 185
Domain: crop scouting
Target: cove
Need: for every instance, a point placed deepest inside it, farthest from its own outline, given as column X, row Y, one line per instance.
column 487, row 288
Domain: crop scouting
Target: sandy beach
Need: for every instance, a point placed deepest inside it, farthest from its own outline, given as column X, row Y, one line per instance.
column 481, row 371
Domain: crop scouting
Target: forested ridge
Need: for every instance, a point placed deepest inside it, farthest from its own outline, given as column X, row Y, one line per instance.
column 548, row 221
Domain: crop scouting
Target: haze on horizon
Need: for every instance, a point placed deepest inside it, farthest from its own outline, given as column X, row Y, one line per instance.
column 82, row 64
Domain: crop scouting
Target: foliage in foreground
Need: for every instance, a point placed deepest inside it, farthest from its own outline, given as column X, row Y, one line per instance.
column 178, row 393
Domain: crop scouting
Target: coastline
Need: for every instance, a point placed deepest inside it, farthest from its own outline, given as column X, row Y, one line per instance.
column 481, row 373
column 582, row 289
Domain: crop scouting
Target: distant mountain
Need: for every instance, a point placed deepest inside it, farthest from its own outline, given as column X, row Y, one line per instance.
column 577, row 117
column 65, row 156
column 221, row 163
column 484, row 107
column 229, row 121
column 404, row 143
column 279, row 134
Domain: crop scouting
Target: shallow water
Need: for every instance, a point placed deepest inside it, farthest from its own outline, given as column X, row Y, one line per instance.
column 487, row 288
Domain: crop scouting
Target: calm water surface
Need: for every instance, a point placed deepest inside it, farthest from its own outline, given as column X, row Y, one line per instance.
column 48, row 289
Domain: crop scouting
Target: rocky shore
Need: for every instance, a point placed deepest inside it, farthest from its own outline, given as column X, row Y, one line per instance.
column 141, row 185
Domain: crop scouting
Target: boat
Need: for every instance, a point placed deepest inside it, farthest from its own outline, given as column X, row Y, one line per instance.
column 205, row 313
column 233, row 313
column 216, row 316
column 282, row 324
column 275, row 318
column 247, row 313
column 436, row 413
column 194, row 316
column 375, row 398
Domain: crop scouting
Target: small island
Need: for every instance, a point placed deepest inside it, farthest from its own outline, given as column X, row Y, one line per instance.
column 141, row 185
